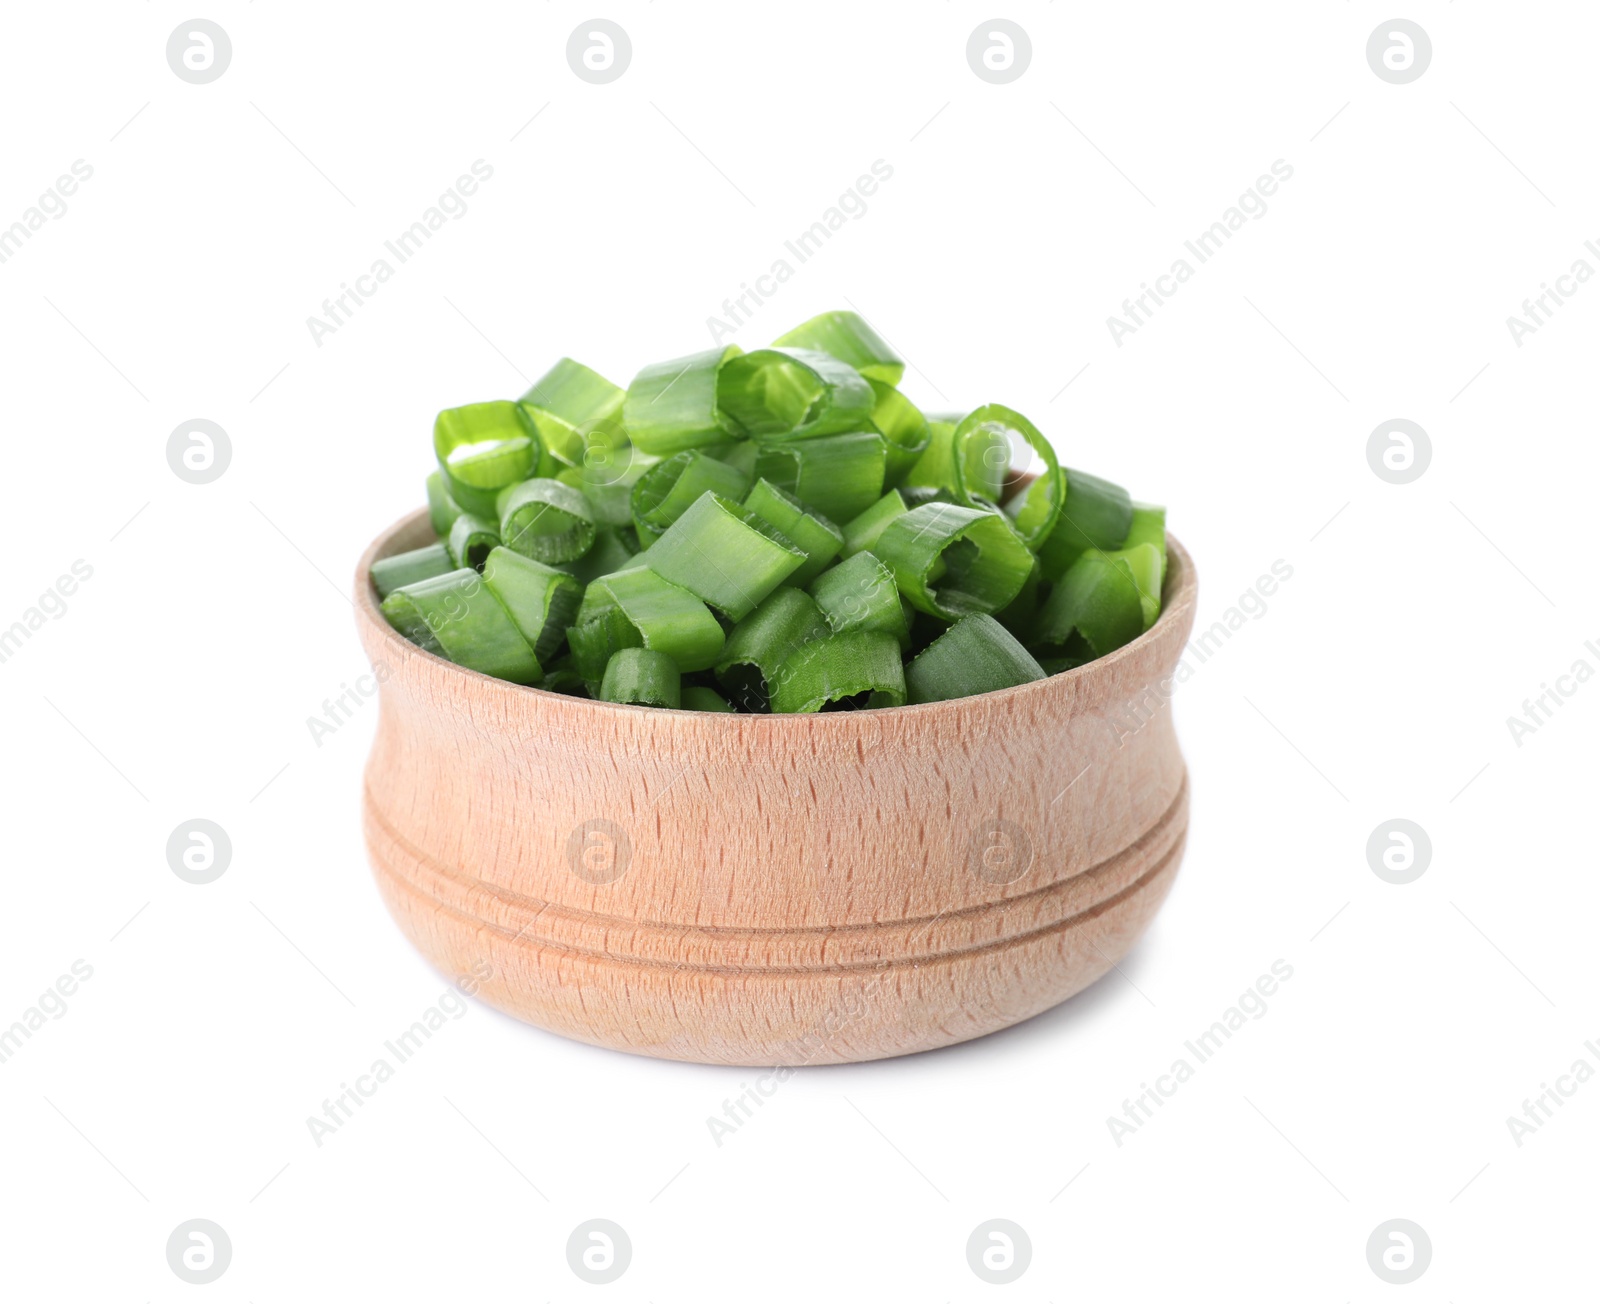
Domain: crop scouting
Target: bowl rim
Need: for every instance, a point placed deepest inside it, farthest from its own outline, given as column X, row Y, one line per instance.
column 1178, row 596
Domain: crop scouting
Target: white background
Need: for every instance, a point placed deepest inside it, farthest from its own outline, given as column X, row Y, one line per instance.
column 179, row 680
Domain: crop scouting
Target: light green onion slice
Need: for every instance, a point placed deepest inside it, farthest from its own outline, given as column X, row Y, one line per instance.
column 837, row 475
column 574, row 409
column 742, row 456
column 637, row 608
column 607, row 482
column 541, row 600
column 609, row 554
column 847, row 337
column 1094, row 514
column 482, row 448
column 699, row 698
column 862, row 531
column 456, row 616
column 761, row 642
column 975, row 655
column 442, row 508
column 793, row 394
column 636, row 676
column 725, row 555
column 671, row 406
column 391, row 573
column 952, row 561
column 816, row 536
column 860, row 594
column 470, row 539
column 902, row 425
column 1035, row 509
column 844, row 671
column 546, row 520
column 668, row 489
column 1149, row 526
column 984, row 453
column 1106, row 599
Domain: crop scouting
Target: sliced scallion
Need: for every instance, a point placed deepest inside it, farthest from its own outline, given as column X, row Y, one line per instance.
column 442, row 508
column 391, row 573
column 861, row 532
column 975, row 655
column 699, row 698
column 546, row 520
column 847, row 337
column 760, row 643
column 902, row 425
column 1149, row 525
column 992, row 428
column 858, row 669
column 793, row 394
column 1106, row 598
column 816, row 536
column 668, row 489
column 638, row 608
column 541, row 600
column 671, row 406
column 860, row 593
column 838, row 475
column 456, row 616
column 952, row 561
column 1094, row 514
column 470, row 539
column 574, row 409
column 482, row 448
column 725, row 555
column 636, row 676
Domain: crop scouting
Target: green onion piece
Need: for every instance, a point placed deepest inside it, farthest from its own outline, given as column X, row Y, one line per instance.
column 860, row 594
column 482, row 448
column 609, row 555
column 470, row 539
column 1094, row 514
column 442, row 508
column 607, row 479
column 902, row 424
column 541, row 600
column 573, row 409
column 671, row 406
column 1034, row 511
column 863, row 531
column 816, row 536
column 636, row 676
column 725, row 555
column 391, row 573
column 742, row 457
column 838, row 475
column 546, row 520
column 858, row 669
column 761, row 642
column 1149, row 526
column 563, row 677
column 847, row 337
column 637, row 608
column 952, row 561
column 705, row 699
column 915, row 495
column 975, row 655
column 458, row 617
column 793, row 394
column 984, row 454
column 1105, row 598
column 1021, row 614
column 668, row 489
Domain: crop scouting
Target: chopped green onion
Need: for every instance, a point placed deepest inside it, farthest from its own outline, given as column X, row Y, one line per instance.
column 456, row 616
column 838, row 475
column 847, row 337
column 607, row 481
column 470, row 539
column 698, row 698
column 1149, row 526
column 761, row 642
column 975, row 655
column 541, row 600
column 725, row 555
column 1038, row 506
column 1106, row 598
column 741, row 456
column 442, row 508
column 952, row 561
column 668, row 489
column 637, row 608
column 983, row 454
column 639, row 677
column 902, row 424
column 816, row 536
column 572, row 407
column 546, row 520
column 1094, row 514
column 482, row 448
column 609, row 554
column 671, row 406
column 391, row 573
column 860, row 594
column 862, row 532
column 858, row 669
column 793, row 394
column 563, row 677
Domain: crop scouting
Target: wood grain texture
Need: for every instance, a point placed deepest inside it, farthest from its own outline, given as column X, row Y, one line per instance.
column 775, row 890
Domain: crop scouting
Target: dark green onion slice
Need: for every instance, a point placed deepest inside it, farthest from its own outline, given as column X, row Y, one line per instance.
column 609, row 554
column 816, row 536
column 458, row 617
column 1034, row 511
column 862, row 532
column 1094, row 514
column 636, row 676
column 671, row 406
column 847, row 337
column 902, row 425
column 541, row 600
column 725, row 555
column 563, row 677
column 838, row 475
column 860, row 594
column 546, row 520
column 470, row 539
column 984, row 453
column 482, row 448
column 761, row 642
column 975, row 655
column 1149, row 526
column 391, row 573
column 637, row 608
column 669, row 488
column 858, row 669
column 574, row 410
column 699, row 698
column 1021, row 614
column 788, row 394
column 952, row 561
column 442, row 508
column 1106, row 598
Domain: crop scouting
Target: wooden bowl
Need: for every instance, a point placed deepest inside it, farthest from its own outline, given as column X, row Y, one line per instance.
column 774, row 890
